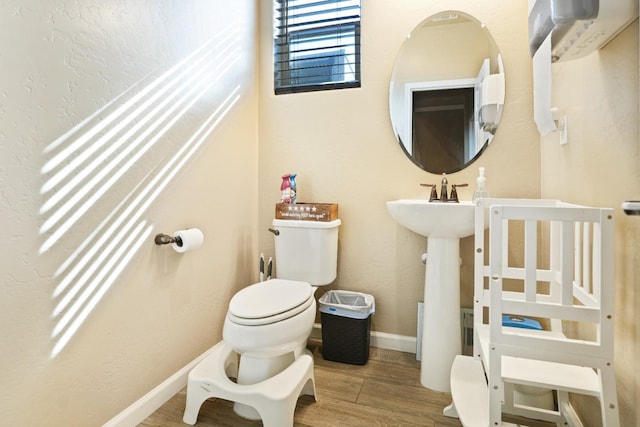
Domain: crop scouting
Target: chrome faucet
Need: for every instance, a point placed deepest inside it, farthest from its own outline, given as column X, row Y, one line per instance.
column 444, row 193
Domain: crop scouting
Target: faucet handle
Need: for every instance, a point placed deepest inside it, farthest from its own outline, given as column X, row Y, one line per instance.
column 454, row 192
column 434, row 194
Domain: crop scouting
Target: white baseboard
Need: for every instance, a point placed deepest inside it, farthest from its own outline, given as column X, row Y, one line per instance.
column 150, row 402
column 381, row 340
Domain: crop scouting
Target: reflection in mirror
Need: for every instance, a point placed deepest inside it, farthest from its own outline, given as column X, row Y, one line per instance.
column 446, row 92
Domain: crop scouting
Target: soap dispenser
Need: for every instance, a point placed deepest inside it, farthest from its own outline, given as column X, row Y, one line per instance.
column 481, row 186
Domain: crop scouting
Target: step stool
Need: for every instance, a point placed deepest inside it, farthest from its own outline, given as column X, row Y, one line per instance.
column 274, row 398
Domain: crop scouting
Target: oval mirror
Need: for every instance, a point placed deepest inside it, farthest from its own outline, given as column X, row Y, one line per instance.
column 447, row 92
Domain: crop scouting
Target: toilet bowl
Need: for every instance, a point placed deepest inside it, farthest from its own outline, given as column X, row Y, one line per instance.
column 268, row 323
column 270, row 318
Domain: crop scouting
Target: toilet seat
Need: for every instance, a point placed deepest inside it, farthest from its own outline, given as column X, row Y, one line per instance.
column 269, row 302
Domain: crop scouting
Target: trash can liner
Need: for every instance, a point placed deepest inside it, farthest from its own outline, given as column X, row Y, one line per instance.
column 354, row 305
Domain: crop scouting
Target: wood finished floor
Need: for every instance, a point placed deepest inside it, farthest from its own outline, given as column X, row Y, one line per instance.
column 384, row 392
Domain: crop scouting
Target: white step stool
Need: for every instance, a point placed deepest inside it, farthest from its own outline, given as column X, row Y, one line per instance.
column 274, row 399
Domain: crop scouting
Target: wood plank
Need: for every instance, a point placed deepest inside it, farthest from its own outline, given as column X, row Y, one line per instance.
column 418, row 403
column 339, row 385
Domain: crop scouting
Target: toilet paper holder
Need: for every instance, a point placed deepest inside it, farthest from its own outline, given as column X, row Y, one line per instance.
column 182, row 240
column 165, row 239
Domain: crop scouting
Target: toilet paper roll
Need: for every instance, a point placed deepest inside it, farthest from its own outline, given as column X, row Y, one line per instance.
column 542, row 88
column 191, row 239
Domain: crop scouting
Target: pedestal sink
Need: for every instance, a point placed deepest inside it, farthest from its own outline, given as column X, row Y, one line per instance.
column 443, row 224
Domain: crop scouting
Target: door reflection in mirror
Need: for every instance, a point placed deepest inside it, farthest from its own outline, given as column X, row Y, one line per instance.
column 442, row 124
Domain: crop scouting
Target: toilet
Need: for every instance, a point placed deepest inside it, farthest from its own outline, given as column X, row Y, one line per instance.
column 268, row 323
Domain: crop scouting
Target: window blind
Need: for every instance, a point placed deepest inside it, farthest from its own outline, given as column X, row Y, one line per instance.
column 317, row 45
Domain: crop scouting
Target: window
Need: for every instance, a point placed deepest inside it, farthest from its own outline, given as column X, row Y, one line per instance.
column 317, row 45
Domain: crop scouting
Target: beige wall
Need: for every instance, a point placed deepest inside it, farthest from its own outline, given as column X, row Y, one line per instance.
column 63, row 63
column 601, row 167
column 77, row 354
column 342, row 146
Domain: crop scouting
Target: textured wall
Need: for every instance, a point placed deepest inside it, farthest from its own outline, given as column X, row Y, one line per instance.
column 342, row 146
column 68, row 68
column 601, row 167
column 119, row 120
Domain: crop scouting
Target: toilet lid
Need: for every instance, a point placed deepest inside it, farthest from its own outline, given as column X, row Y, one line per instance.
column 270, row 301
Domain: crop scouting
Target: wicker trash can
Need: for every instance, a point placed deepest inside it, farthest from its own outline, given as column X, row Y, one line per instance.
column 346, row 326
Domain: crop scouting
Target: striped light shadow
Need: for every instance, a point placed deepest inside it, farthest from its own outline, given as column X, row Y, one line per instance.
column 96, row 158
column 87, row 187
column 109, row 273
column 129, row 145
column 96, row 263
column 111, row 141
column 84, row 131
column 97, row 249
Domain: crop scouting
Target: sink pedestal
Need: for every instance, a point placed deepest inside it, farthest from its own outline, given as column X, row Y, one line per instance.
column 443, row 224
column 441, row 340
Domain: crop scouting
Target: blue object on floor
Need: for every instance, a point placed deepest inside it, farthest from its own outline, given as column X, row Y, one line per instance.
column 520, row 322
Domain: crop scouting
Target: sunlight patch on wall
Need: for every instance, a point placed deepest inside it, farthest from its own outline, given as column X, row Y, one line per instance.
column 104, row 175
column 71, row 321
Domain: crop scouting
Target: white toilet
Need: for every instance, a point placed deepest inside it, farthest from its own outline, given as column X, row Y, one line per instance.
column 268, row 323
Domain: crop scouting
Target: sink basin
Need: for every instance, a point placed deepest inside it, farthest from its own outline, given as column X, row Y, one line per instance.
column 434, row 219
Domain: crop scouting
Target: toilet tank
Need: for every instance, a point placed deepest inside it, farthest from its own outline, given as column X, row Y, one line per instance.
column 307, row 250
